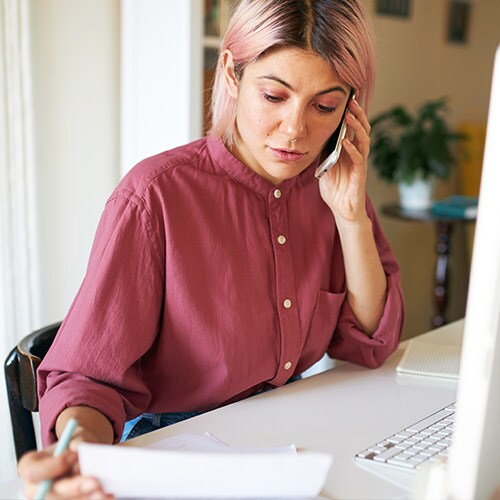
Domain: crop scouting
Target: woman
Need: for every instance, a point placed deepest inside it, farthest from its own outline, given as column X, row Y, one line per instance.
column 224, row 267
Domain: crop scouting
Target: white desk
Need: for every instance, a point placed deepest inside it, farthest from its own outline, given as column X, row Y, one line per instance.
column 340, row 411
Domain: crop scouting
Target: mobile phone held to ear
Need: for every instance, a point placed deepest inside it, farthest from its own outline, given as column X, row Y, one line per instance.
column 334, row 145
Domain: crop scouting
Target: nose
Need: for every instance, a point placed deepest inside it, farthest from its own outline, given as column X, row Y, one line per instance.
column 293, row 123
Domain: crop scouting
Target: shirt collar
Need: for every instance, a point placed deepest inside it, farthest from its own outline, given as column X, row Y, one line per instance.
column 245, row 175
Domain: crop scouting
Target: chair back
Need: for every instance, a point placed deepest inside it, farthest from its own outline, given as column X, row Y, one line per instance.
column 20, row 378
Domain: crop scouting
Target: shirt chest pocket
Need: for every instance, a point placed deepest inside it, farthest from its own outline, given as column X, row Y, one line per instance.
column 323, row 323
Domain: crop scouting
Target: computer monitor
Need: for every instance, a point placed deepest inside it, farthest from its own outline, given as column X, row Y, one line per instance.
column 474, row 463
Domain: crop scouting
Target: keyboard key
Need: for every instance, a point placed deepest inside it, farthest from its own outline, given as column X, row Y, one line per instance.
column 412, row 451
column 383, row 457
column 427, row 442
column 416, row 460
column 405, row 434
column 395, row 439
column 428, row 452
column 402, row 446
column 438, row 446
column 376, row 449
column 411, row 441
column 433, row 438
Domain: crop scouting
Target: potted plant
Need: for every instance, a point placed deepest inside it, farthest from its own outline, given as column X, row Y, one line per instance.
column 413, row 150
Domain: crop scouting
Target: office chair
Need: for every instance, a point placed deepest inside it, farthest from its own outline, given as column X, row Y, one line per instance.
column 20, row 378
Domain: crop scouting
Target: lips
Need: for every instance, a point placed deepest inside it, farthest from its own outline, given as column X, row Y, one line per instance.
column 289, row 155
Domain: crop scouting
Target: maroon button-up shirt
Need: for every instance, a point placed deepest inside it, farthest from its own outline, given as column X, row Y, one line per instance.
column 206, row 283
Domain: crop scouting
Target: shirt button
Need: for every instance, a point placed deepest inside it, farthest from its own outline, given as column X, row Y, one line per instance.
column 287, row 365
column 281, row 239
column 287, row 303
column 277, row 193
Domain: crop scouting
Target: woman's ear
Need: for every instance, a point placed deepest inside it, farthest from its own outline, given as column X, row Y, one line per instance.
column 229, row 73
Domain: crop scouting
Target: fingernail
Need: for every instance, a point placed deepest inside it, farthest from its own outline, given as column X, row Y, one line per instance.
column 88, row 485
column 97, row 496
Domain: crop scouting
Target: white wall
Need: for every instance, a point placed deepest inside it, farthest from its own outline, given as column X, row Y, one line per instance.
column 76, row 95
column 161, row 55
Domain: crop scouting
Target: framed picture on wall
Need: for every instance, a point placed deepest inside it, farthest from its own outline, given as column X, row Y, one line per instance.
column 458, row 21
column 395, row 8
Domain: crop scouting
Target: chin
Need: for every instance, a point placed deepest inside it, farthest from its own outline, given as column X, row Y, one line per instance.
column 285, row 173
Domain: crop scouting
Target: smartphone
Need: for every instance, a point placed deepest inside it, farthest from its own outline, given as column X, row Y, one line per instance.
column 334, row 145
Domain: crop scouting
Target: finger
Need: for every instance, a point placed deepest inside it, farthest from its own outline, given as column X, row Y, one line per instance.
column 359, row 113
column 77, row 487
column 356, row 157
column 35, row 467
column 71, row 487
column 361, row 137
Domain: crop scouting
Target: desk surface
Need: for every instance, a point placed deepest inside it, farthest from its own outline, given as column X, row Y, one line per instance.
column 340, row 411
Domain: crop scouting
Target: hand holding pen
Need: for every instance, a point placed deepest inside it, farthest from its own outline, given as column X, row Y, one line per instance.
column 56, row 475
column 61, row 446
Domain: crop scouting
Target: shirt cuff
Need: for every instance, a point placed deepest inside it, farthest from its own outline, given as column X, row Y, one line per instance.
column 351, row 343
column 80, row 392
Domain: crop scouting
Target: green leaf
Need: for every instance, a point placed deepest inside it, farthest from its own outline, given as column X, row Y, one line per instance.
column 405, row 144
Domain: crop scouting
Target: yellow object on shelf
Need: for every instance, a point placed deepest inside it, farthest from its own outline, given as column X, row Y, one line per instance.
column 469, row 169
column 472, row 159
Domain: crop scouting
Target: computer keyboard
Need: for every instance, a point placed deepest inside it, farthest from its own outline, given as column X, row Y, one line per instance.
column 427, row 439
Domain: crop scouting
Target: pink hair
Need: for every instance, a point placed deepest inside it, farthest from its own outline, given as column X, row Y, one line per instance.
column 338, row 30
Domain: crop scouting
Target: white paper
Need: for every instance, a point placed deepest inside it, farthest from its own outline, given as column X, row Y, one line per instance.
column 208, row 443
column 126, row 471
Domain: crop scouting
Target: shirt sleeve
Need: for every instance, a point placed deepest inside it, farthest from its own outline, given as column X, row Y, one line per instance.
column 349, row 342
column 95, row 359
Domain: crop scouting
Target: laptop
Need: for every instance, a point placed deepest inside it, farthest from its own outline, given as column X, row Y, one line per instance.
column 467, row 465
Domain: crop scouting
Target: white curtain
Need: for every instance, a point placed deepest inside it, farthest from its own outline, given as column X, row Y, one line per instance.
column 18, row 275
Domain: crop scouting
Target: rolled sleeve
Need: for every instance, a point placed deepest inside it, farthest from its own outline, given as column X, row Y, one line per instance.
column 351, row 343
column 64, row 391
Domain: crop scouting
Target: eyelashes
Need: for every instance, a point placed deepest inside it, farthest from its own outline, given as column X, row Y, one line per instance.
column 274, row 99
column 325, row 109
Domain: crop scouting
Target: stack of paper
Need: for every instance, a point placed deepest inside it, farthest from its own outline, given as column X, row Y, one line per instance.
column 200, row 466
column 432, row 360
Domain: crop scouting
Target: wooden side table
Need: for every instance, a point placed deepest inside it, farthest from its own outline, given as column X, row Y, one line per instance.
column 444, row 229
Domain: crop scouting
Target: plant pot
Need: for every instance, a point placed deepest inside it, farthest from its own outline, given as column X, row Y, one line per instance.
column 416, row 196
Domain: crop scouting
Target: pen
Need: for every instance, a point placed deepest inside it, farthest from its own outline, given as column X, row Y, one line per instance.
column 61, row 446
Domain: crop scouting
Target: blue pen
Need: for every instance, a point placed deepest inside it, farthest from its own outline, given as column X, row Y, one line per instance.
column 61, row 446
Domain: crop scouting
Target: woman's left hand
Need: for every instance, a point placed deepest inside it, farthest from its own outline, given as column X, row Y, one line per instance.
column 343, row 187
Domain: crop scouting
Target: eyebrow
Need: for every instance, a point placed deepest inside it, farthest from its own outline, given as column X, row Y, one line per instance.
column 336, row 88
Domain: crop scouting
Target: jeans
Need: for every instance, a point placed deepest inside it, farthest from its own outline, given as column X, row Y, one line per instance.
column 148, row 422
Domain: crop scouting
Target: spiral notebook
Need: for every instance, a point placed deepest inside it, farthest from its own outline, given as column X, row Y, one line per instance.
column 431, row 360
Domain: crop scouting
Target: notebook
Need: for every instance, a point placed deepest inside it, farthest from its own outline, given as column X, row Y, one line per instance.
column 432, row 360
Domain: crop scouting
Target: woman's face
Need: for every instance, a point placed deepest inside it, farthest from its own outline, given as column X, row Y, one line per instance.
column 290, row 94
